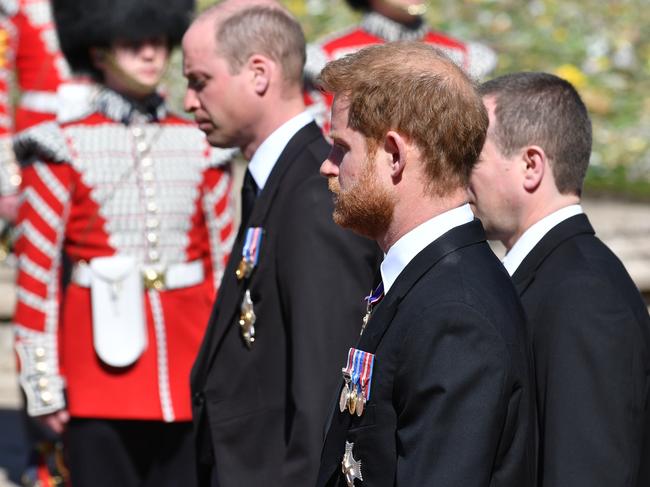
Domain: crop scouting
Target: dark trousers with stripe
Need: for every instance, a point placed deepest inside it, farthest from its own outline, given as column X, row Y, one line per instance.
column 114, row 453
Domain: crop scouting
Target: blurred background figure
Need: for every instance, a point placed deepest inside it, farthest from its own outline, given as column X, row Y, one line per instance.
column 32, row 70
column 385, row 21
column 135, row 203
column 30, row 61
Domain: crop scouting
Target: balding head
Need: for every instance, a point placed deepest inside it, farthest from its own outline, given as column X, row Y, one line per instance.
column 416, row 90
column 244, row 28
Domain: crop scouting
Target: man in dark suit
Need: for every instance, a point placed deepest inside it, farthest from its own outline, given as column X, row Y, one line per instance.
column 589, row 325
column 291, row 296
column 437, row 390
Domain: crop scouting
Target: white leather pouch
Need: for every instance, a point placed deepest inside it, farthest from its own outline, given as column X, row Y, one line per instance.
column 117, row 294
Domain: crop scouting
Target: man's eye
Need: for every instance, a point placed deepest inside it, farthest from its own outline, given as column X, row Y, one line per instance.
column 337, row 152
column 341, row 147
column 196, row 84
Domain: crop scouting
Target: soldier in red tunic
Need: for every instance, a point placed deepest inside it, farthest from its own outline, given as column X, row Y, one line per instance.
column 386, row 21
column 29, row 52
column 138, row 203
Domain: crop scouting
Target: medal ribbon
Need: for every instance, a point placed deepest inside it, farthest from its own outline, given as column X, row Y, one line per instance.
column 366, row 377
column 359, row 367
column 374, row 297
column 251, row 250
column 348, row 367
column 358, row 361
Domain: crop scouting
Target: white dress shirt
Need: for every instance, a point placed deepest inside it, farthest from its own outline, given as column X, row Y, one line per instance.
column 268, row 153
column 411, row 244
column 534, row 234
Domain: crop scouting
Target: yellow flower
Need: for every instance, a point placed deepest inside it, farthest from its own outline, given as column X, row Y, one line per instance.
column 572, row 74
column 297, row 7
column 560, row 35
column 636, row 144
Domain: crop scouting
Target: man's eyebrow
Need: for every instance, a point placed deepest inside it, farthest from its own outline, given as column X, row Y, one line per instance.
column 336, row 137
column 194, row 73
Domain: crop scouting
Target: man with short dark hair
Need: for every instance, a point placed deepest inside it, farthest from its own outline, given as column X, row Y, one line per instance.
column 291, row 298
column 437, row 390
column 589, row 325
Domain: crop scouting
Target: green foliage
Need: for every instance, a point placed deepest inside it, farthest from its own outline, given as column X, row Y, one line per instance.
column 601, row 46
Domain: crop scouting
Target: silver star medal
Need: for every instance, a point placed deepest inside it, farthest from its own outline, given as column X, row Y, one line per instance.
column 350, row 467
column 247, row 320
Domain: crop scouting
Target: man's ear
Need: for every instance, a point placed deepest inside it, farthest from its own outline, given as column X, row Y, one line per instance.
column 261, row 69
column 535, row 167
column 396, row 147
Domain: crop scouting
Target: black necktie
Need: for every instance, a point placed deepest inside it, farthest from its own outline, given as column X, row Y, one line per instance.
column 248, row 195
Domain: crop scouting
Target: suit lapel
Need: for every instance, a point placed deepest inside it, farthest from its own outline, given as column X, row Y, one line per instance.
column 461, row 236
column 232, row 291
column 569, row 228
column 305, row 136
column 456, row 238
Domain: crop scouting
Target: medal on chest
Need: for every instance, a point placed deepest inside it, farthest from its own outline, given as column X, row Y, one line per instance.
column 371, row 300
column 247, row 319
column 249, row 261
column 357, row 375
column 350, row 467
column 250, row 254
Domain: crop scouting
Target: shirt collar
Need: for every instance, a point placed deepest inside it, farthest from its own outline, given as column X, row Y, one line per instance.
column 534, row 234
column 411, row 244
column 268, row 153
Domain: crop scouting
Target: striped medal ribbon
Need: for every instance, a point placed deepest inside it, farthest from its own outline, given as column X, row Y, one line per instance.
column 250, row 252
column 358, row 378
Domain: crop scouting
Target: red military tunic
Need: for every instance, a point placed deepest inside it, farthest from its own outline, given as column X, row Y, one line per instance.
column 29, row 49
column 116, row 183
column 477, row 59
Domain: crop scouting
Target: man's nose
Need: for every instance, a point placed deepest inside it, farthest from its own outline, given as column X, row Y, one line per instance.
column 329, row 169
column 148, row 50
column 190, row 101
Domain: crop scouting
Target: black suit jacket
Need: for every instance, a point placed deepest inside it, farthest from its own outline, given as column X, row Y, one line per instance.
column 451, row 402
column 259, row 413
column 591, row 340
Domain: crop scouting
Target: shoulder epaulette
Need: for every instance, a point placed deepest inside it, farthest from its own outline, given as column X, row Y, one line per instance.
column 221, row 157
column 44, row 141
column 8, row 7
column 482, row 60
column 317, row 58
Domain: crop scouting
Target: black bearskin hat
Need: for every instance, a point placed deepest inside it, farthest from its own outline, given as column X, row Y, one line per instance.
column 82, row 24
column 362, row 5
